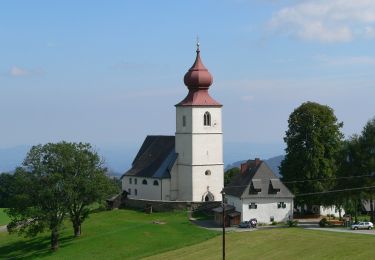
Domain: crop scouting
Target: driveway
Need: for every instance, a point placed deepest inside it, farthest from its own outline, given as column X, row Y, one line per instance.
column 344, row 230
column 211, row 225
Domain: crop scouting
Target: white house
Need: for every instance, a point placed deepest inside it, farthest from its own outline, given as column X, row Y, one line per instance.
column 256, row 192
column 188, row 166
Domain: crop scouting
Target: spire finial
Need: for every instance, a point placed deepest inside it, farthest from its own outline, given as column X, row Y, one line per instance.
column 198, row 44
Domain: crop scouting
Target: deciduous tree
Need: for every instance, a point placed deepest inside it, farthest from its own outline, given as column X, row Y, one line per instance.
column 313, row 140
column 57, row 180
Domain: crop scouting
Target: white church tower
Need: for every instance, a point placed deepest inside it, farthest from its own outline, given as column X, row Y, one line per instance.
column 199, row 140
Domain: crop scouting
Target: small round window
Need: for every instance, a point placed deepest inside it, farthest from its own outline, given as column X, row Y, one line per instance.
column 207, row 172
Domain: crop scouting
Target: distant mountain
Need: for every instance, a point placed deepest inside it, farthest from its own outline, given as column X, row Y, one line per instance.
column 12, row 157
column 273, row 163
column 118, row 158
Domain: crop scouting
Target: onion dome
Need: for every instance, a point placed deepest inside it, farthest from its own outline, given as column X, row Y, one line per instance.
column 198, row 77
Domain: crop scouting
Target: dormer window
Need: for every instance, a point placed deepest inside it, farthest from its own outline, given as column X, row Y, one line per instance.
column 207, row 119
column 274, row 186
column 255, row 186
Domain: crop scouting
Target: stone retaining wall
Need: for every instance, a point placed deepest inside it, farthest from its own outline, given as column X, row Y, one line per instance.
column 163, row 206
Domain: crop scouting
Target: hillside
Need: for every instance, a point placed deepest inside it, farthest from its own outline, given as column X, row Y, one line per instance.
column 118, row 234
column 126, row 234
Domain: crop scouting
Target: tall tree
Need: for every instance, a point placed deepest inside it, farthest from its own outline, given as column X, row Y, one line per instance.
column 229, row 174
column 313, row 141
column 57, row 180
column 6, row 188
column 349, row 175
column 367, row 141
column 86, row 181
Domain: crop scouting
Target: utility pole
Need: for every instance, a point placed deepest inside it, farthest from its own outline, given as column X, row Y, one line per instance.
column 223, row 206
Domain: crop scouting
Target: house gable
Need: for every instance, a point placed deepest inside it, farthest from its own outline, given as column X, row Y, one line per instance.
column 257, row 180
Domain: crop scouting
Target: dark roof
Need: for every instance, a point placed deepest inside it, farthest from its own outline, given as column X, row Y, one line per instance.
column 155, row 158
column 256, row 179
column 227, row 208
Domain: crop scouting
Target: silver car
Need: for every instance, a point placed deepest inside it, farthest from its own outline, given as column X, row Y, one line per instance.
column 363, row 225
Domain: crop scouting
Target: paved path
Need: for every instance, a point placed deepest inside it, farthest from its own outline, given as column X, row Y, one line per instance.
column 344, row 230
column 309, row 225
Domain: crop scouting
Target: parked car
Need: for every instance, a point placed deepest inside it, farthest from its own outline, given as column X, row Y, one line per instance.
column 245, row 224
column 252, row 223
column 363, row 225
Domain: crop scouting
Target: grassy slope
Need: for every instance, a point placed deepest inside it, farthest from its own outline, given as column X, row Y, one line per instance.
column 112, row 235
column 3, row 217
column 285, row 243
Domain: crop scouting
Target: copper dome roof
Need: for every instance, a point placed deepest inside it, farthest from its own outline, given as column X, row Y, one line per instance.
column 198, row 77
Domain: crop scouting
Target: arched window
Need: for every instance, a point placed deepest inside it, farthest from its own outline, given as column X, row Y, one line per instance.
column 207, row 119
column 207, row 172
column 156, row 183
column 144, row 182
column 208, row 196
column 183, row 120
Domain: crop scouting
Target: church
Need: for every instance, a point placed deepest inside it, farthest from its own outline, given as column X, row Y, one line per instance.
column 188, row 166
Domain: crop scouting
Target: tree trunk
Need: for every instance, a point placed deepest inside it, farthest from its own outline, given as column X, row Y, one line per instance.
column 355, row 211
column 77, row 229
column 54, row 239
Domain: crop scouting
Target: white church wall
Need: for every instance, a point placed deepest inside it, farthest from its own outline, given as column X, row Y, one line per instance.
column 184, row 182
column 198, row 115
column 174, row 183
column 166, row 189
column 137, row 190
column 180, row 113
column 183, row 146
column 208, row 149
column 202, row 183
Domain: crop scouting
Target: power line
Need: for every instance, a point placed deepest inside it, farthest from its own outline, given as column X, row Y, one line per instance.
column 312, row 180
column 325, row 179
column 334, row 191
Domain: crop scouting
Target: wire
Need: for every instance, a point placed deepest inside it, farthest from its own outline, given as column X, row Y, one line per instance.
column 311, row 180
column 334, row 191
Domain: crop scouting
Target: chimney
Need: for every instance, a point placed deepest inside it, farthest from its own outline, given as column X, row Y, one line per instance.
column 244, row 167
column 257, row 161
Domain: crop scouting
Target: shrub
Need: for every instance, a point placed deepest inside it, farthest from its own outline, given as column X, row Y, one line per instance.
column 323, row 222
column 292, row 223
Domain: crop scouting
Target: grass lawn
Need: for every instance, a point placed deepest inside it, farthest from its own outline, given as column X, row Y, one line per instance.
column 119, row 234
column 281, row 243
column 3, row 217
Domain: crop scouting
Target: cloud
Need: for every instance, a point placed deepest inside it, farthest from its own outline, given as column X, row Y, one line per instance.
column 349, row 60
column 370, row 32
column 18, row 72
column 326, row 21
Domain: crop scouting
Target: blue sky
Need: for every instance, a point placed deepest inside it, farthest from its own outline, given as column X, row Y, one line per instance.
column 110, row 72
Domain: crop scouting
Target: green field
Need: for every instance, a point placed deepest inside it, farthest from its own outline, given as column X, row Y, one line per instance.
column 115, row 234
column 3, row 217
column 125, row 234
column 281, row 243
